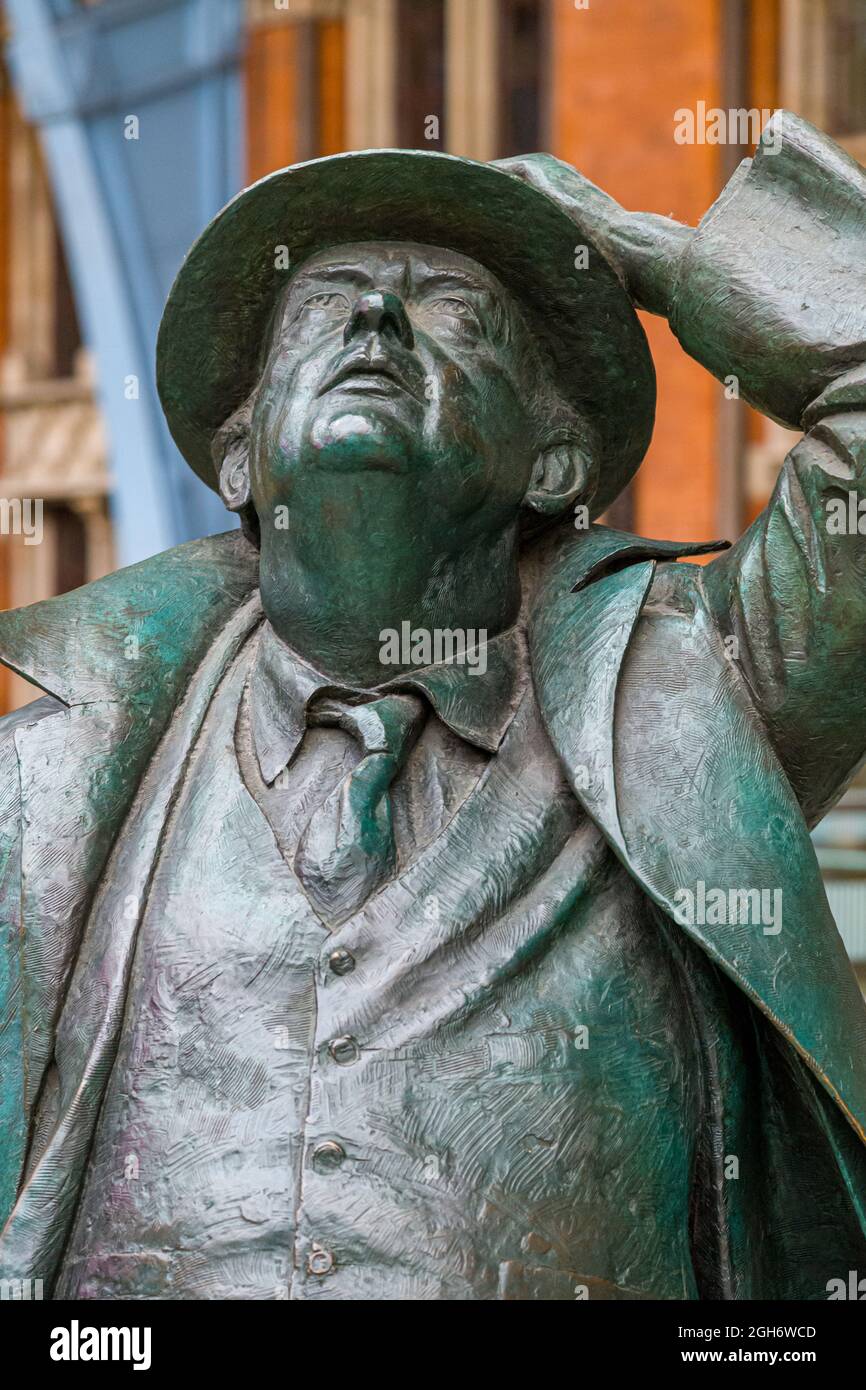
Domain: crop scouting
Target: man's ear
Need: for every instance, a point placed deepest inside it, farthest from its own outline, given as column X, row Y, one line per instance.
column 230, row 450
column 562, row 476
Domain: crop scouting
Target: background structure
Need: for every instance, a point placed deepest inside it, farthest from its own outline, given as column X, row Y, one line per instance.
column 126, row 124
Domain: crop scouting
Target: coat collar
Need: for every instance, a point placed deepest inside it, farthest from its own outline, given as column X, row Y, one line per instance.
column 585, row 556
column 135, row 636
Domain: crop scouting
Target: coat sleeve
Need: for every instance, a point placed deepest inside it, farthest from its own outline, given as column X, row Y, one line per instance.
column 790, row 600
column 14, row 1119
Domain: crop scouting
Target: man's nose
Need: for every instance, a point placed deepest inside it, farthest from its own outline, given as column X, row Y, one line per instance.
column 379, row 311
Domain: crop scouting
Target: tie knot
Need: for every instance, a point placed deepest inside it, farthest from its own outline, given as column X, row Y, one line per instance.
column 389, row 724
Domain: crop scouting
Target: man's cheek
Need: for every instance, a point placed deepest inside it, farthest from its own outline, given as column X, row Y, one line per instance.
column 292, row 375
column 275, row 454
column 482, row 387
column 505, row 399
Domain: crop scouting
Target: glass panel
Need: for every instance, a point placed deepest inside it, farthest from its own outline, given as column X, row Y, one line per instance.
column 421, row 74
column 67, row 334
column 523, row 36
column 846, row 60
column 70, row 556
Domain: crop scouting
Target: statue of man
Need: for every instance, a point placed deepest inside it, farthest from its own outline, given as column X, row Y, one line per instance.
column 410, row 894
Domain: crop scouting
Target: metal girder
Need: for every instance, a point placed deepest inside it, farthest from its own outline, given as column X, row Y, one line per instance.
column 138, row 106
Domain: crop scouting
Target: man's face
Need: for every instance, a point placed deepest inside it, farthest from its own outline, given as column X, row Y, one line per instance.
column 394, row 370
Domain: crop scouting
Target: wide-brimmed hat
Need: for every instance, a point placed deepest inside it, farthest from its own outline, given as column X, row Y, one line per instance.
column 209, row 349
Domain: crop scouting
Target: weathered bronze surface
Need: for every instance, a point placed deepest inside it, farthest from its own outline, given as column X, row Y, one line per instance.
column 411, row 896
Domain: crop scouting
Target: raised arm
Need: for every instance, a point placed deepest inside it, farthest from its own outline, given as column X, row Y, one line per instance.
column 769, row 290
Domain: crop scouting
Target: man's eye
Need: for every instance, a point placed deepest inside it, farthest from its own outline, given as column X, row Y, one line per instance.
column 328, row 302
column 456, row 307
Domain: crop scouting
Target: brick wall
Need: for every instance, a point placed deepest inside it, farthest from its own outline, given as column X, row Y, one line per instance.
column 620, row 69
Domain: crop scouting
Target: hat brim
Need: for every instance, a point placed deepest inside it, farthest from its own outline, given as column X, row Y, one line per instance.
column 210, row 338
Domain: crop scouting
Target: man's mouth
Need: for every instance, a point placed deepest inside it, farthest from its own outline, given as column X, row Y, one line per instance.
column 370, row 376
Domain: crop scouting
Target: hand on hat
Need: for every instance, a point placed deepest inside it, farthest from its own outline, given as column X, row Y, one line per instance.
column 644, row 249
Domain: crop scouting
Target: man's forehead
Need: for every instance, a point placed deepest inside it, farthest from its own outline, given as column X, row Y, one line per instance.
column 405, row 266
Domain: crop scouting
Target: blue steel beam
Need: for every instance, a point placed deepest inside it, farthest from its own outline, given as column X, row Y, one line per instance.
column 129, row 208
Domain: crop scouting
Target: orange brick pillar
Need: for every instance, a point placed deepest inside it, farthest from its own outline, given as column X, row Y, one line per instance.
column 620, row 70
column 271, row 78
column 331, row 75
column 294, row 79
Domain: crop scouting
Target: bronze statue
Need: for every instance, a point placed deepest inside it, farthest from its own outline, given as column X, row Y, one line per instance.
column 410, row 895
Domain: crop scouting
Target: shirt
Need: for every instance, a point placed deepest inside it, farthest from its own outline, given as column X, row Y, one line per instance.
column 485, row 1084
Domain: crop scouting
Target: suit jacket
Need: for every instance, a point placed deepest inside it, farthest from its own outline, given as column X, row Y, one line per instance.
column 700, row 761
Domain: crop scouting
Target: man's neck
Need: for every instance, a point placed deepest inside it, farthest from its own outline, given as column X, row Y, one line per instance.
column 336, row 604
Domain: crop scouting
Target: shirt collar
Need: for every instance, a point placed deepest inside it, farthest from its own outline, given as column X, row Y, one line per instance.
column 479, row 708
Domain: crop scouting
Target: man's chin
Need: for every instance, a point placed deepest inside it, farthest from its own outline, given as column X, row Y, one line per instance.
column 355, row 442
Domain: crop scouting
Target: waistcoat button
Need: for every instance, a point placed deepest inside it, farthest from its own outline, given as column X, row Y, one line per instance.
column 344, row 1050
column 320, row 1261
column 342, row 962
column 328, row 1155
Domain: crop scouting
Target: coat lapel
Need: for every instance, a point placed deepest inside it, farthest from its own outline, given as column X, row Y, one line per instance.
column 87, row 1031
column 121, row 654
column 67, row 829
column 663, row 749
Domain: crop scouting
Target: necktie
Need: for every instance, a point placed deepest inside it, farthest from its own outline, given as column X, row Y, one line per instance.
column 347, row 850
